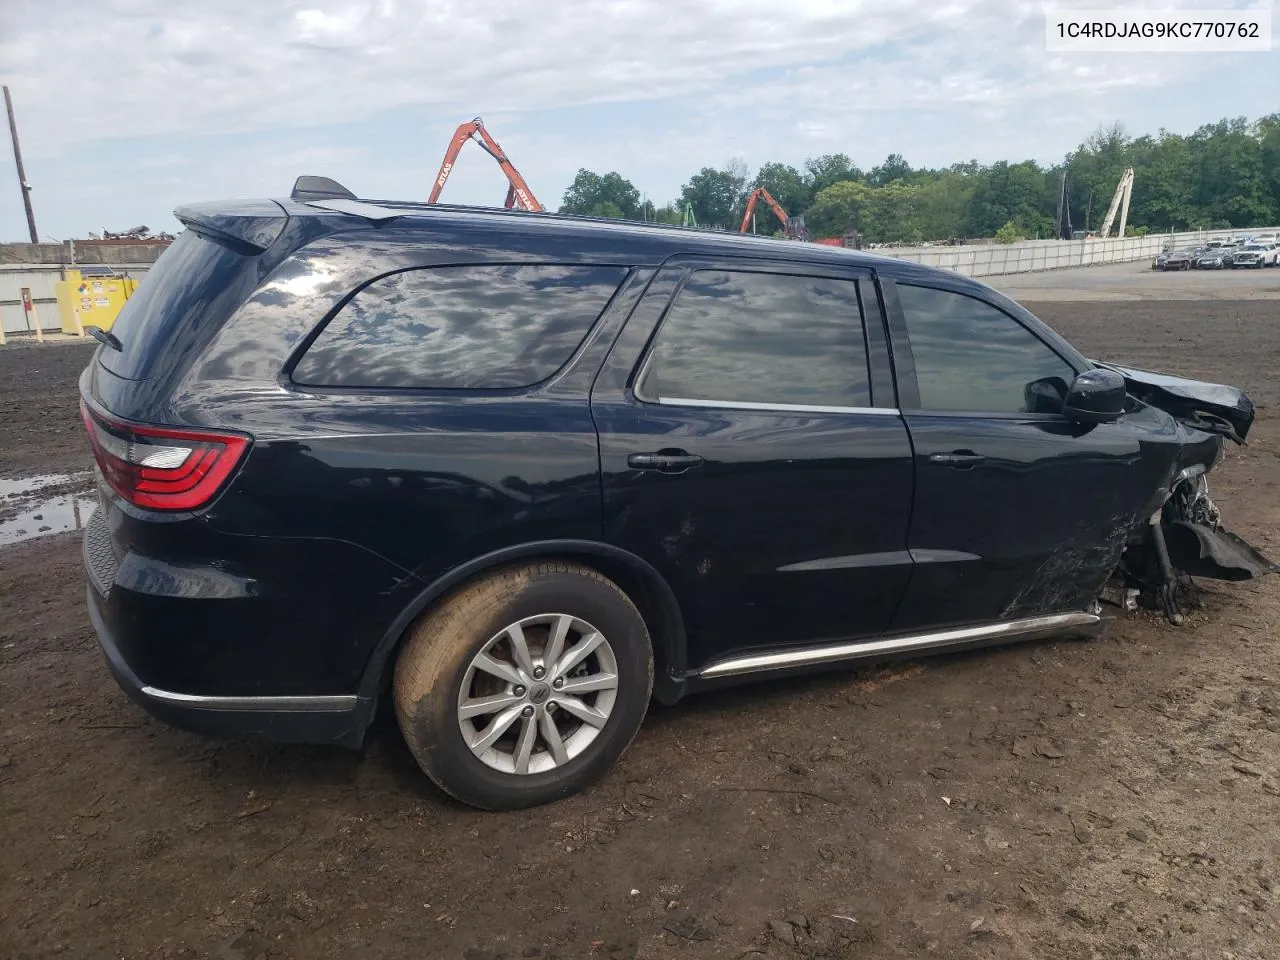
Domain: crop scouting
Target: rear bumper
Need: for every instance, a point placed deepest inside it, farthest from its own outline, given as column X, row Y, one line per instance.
column 339, row 720
column 124, row 626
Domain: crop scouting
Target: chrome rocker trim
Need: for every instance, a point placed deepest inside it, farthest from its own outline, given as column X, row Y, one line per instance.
column 811, row 656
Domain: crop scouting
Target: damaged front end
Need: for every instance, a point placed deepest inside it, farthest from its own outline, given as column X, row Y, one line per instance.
column 1185, row 538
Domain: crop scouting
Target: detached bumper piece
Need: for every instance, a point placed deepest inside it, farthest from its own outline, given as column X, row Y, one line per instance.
column 1175, row 551
column 1202, row 551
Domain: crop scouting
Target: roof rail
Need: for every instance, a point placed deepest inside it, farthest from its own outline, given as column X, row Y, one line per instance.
column 319, row 188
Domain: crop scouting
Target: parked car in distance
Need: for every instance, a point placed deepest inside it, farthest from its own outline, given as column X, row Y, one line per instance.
column 1229, row 253
column 1216, row 258
column 1180, row 260
column 1161, row 261
column 1255, row 255
column 517, row 473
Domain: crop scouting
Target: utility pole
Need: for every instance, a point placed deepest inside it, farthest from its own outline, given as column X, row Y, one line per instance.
column 22, row 176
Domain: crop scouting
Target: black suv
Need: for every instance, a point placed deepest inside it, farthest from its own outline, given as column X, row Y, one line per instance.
column 521, row 472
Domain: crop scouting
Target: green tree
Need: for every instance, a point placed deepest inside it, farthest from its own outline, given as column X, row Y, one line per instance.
column 716, row 196
column 1225, row 174
column 1269, row 147
column 1009, row 233
column 893, row 168
column 671, row 213
column 1162, row 195
column 1231, row 184
column 943, row 204
column 839, row 208
column 610, row 195
column 893, row 214
column 1007, row 192
column 829, row 169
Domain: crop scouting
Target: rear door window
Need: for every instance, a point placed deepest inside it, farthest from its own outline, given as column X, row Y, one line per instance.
column 770, row 339
column 463, row 327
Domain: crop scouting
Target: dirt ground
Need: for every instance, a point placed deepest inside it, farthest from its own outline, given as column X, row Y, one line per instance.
column 1071, row 800
column 1137, row 281
column 40, row 429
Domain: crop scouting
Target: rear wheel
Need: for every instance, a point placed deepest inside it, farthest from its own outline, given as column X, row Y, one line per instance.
column 525, row 685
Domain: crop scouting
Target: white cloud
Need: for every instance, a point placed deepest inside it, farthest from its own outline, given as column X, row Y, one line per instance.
column 159, row 66
column 247, row 92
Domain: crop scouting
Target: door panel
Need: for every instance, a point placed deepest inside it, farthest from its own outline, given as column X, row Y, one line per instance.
column 1022, row 532
column 792, row 530
column 1017, row 511
column 775, row 523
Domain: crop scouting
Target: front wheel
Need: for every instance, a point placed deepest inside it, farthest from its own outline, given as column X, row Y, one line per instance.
column 525, row 685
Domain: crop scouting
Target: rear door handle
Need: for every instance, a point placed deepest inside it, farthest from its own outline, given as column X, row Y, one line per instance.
column 958, row 460
column 664, row 461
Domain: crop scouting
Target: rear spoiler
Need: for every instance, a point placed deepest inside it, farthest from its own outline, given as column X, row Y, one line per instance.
column 251, row 226
column 247, row 226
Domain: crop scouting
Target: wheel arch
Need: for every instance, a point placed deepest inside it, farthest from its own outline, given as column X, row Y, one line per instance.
column 646, row 588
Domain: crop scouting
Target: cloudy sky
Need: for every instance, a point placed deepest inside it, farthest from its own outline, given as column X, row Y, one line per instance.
column 128, row 108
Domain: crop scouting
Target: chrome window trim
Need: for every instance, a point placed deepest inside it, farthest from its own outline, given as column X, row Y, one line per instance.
column 772, row 407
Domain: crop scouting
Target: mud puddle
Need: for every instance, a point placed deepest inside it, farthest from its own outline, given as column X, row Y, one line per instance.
column 43, row 505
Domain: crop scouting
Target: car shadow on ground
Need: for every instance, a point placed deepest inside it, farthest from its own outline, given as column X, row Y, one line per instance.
column 386, row 766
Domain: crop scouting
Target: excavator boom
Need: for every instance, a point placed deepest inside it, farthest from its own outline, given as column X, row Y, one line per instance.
column 518, row 193
column 792, row 228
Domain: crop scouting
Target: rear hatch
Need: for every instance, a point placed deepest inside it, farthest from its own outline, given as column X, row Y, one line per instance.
column 149, row 455
column 195, row 286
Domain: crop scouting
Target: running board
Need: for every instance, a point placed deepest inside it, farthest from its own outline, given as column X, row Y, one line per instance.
column 812, row 656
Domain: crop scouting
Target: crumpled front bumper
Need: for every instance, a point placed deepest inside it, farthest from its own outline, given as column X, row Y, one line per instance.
column 1201, row 551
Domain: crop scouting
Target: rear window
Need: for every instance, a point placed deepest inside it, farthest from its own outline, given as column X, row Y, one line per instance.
column 466, row 327
column 195, row 283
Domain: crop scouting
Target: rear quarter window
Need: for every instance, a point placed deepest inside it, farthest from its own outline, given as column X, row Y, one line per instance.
column 465, row 327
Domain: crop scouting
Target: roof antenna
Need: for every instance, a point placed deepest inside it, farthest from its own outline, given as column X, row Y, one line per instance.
column 319, row 188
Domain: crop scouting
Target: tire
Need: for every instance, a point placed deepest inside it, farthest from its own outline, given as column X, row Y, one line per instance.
column 439, row 655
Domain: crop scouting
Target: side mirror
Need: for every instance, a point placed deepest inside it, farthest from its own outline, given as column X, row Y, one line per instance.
column 1096, row 396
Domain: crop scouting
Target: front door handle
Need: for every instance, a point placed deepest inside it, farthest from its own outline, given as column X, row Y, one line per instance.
column 959, row 459
column 664, row 461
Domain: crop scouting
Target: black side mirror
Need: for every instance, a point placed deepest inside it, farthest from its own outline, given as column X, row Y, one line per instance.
column 1096, row 396
column 1046, row 395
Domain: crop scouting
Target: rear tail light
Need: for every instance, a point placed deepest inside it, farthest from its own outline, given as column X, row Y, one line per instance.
column 162, row 468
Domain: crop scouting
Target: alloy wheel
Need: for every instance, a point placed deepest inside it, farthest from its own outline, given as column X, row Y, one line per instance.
column 538, row 693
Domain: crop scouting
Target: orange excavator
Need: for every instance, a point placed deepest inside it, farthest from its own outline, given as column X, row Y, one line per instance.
column 792, row 227
column 518, row 193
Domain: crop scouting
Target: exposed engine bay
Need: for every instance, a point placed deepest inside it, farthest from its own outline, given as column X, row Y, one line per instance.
column 1184, row 538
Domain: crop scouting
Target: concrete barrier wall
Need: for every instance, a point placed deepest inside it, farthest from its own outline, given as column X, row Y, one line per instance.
column 110, row 252
column 1030, row 255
